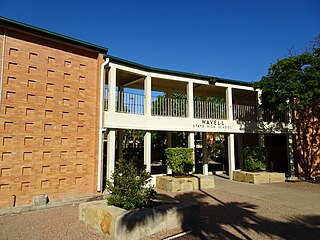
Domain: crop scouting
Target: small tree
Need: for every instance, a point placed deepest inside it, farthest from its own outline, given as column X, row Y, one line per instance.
column 130, row 188
column 254, row 158
column 179, row 160
column 293, row 84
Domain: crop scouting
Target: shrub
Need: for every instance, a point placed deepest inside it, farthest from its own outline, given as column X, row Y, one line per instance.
column 180, row 160
column 217, row 150
column 254, row 158
column 130, row 188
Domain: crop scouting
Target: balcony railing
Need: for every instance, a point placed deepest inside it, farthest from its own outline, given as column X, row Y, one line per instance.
column 244, row 112
column 275, row 116
column 205, row 109
column 130, row 103
column 171, row 107
column 133, row 103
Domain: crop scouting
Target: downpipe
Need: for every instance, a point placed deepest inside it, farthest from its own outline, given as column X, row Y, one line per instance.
column 100, row 155
column 2, row 62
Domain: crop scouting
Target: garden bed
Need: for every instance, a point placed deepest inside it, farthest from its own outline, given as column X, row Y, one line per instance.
column 258, row 177
column 137, row 224
column 184, row 184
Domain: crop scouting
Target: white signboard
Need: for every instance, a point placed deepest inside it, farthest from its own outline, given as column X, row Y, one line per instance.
column 215, row 125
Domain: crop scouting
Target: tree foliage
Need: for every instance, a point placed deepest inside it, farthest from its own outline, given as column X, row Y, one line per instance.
column 296, row 79
column 293, row 84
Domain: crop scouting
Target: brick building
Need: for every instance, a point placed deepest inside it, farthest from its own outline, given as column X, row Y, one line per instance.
column 49, row 114
column 58, row 96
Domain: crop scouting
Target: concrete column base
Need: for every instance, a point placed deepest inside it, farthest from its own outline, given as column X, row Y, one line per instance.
column 205, row 169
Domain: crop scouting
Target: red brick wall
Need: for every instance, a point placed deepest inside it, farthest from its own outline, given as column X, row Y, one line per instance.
column 48, row 119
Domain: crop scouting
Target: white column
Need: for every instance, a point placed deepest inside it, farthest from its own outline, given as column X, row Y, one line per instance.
column 231, row 158
column 191, row 145
column 289, row 115
column 112, row 89
column 261, row 138
column 204, row 154
column 147, row 150
column 190, row 115
column 290, row 152
column 121, row 98
column 229, row 103
column 169, row 145
column 147, row 112
column 111, row 152
column 120, row 143
column 259, row 103
column 190, row 99
column 147, row 96
column 291, row 169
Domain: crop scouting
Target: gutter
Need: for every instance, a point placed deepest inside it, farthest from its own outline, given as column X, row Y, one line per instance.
column 100, row 156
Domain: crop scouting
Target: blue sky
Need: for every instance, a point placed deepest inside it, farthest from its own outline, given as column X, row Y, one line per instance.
column 231, row 39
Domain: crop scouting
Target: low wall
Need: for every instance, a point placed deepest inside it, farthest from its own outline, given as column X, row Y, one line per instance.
column 137, row 224
column 184, row 184
column 258, row 177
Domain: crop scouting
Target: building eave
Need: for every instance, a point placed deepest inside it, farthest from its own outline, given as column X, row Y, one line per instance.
column 6, row 22
column 211, row 79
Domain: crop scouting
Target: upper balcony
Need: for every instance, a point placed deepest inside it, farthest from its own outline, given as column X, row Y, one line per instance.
column 133, row 103
column 139, row 99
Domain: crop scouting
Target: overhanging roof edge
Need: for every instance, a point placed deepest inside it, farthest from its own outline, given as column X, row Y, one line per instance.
column 211, row 79
column 51, row 35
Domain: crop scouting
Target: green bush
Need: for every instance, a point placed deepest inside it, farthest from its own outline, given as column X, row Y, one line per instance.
column 130, row 188
column 217, row 150
column 180, row 160
column 254, row 158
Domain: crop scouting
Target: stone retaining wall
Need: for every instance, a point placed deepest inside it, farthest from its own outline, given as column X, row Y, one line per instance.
column 137, row 224
column 258, row 177
column 184, row 184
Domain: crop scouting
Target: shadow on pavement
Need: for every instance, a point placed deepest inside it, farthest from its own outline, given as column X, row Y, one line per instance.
column 240, row 220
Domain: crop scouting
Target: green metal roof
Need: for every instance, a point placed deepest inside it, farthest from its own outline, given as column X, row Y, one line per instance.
column 52, row 35
column 211, row 79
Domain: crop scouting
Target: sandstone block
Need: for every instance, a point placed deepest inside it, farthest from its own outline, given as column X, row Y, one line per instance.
column 138, row 224
column 99, row 215
column 258, row 177
column 276, row 177
column 177, row 184
column 205, row 181
column 40, row 200
column 239, row 176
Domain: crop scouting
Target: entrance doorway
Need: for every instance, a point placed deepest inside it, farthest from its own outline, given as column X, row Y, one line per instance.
column 276, row 145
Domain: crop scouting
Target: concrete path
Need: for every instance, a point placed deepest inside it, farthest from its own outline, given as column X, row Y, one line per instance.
column 231, row 210
column 234, row 210
column 301, row 196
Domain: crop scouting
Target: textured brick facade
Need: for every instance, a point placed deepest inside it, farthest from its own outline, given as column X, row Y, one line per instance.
column 48, row 119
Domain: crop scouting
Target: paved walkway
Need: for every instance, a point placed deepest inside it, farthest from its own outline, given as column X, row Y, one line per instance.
column 301, row 196
column 231, row 210
column 235, row 210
